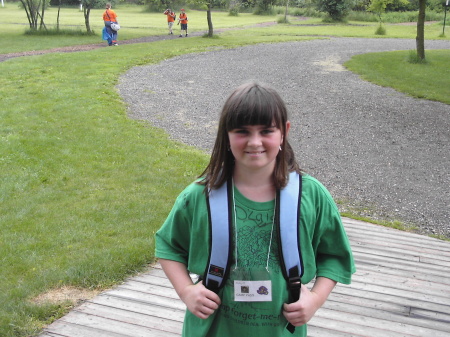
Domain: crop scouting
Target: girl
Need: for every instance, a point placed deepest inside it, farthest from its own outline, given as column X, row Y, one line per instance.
column 253, row 152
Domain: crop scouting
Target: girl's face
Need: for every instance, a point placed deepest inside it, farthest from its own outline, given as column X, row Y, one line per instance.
column 256, row 147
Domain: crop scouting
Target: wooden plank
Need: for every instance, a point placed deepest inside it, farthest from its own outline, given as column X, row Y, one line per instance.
column 161, row 309
column 405, row 252
column 415, row 242
column 317, row 331
column 379, row 259
column 161, row 322
column 401, row 283
column 361, row 327
column 67, row 329
column 150, row 278
column 395, row 312
column 372, row 326
column 130, row 294
column 410, row 300
column 113, row 327
column 366, row 233
column 149, row 289
column 387, row 271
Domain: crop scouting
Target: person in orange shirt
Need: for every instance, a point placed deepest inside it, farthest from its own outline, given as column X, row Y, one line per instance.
column 109, row 16
column 170, row 19
column 183, row 19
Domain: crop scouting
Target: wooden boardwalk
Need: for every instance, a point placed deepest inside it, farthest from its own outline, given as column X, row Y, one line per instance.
column 401, row 288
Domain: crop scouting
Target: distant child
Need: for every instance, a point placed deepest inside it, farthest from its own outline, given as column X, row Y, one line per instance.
column 253, row 156
column 170, row 19
column 183, row 20
column 109, row 17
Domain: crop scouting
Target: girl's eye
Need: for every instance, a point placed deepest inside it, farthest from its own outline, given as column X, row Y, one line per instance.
column 267, row 131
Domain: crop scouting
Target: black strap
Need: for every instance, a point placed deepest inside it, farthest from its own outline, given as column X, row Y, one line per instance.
column 294, row 286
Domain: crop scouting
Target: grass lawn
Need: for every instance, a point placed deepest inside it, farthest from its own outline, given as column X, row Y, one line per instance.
column 429, row 81
column 84, row 188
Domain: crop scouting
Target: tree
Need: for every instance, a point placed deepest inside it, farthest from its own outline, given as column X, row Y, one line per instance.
column 336, row 9
column 209, row 20
column 420, row 38
column 378, row 7
column 208, row 5
column 35, row 10
column 87, row 6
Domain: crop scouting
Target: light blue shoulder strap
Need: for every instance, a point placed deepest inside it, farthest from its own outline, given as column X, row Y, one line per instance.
column 287, row 217
column 289, row 226
column 221, row 229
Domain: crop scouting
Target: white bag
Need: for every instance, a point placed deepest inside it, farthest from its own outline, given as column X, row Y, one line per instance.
column 115, row 26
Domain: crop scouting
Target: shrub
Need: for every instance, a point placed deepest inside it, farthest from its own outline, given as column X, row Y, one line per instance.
column 337, row 10
column 380, row 30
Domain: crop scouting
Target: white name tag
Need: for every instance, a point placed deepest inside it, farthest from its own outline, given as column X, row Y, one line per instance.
column 253, row 291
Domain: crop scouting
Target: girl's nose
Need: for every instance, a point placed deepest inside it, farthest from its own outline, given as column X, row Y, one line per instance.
column 254, row 139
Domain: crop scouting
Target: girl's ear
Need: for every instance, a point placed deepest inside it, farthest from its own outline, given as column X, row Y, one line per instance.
column 288, row 127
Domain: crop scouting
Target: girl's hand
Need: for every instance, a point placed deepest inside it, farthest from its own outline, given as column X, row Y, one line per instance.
column 199, row 300
column 300, row 312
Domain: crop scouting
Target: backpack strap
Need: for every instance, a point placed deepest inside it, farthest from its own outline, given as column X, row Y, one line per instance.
column 287, row 221
column 220, row 215
column 287, row 218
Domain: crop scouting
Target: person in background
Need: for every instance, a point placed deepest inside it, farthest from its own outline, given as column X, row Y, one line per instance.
column 170, row 19
column 109, row 16
column 183, row 19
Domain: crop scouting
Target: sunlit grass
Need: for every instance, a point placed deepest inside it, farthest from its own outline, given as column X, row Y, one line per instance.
column 393, row 69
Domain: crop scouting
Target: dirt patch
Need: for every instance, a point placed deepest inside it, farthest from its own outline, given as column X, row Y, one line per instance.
column 65, row 294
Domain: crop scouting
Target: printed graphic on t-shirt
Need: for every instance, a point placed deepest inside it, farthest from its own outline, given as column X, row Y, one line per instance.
column 254, row 236
column 254, row 231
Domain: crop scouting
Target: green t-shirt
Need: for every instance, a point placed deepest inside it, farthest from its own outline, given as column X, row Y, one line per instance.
column 184, row 237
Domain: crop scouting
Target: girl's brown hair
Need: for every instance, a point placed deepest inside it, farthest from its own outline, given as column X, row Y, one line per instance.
column 249, row 104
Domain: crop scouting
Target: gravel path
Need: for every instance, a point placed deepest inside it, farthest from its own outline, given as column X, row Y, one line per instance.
column 379, row 152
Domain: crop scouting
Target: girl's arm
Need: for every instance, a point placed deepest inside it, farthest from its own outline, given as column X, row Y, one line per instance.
column 199, row 300
column 300, row 312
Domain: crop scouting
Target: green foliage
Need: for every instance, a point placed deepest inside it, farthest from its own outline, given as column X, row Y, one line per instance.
column 298, row 11
column 97, row 4
column 283, row 19
column 394, row 17
column 381, row 30
column 234, row 8
column 162, row 5
column 362, row 16
column 379, row 7
column 264, row 7
column 337, row 10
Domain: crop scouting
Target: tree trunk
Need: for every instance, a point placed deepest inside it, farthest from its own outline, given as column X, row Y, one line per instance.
column 210, row 24
column 42, row 24
column 87, row 12
column 57, row 17
column 420, row 38
column 286, row 11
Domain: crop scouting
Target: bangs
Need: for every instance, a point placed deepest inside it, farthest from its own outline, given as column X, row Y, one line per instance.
column 255, row 106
